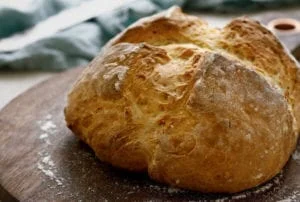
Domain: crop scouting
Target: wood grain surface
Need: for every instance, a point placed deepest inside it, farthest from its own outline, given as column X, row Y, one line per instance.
column 41, row 160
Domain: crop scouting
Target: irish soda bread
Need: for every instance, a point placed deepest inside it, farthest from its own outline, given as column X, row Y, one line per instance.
column 196, row 107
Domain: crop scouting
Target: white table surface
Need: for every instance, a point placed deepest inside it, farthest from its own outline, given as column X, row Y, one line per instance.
column 14, row 83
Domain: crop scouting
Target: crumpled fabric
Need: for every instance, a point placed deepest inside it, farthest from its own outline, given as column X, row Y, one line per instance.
column 78, row 45
column 238, row 6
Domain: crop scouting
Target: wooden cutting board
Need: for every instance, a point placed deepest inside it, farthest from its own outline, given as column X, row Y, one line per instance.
column 40, row 159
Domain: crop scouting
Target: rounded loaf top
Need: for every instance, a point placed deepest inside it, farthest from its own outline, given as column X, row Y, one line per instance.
column 195, row 107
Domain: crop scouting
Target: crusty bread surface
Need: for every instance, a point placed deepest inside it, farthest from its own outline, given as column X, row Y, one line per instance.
column 207, row 109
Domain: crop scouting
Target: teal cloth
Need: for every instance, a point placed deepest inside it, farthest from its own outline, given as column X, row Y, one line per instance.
column 78, row 45
column 75, row 46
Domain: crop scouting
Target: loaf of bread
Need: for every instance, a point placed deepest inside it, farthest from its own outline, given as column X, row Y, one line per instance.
column 201, row 108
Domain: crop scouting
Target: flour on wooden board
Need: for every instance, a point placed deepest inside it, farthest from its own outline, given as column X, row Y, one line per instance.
column 46, row 164
column 275, row 182
column 46, row 125
column 295, row 195
column 296, row 155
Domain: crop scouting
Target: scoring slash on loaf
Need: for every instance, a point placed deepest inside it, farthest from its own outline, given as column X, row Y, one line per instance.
column 213, row 110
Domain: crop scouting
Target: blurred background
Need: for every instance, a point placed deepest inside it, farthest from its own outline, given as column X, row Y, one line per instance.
column 40, row 38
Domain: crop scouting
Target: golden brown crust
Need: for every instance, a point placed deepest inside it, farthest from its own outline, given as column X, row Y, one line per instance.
column 250, row 41
column 194, row 110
